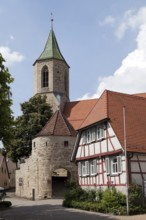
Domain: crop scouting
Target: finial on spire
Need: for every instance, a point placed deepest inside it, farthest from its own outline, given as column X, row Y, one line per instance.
column 52, row 20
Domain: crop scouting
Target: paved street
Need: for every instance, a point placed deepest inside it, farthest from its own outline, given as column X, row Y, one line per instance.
column 52, row 209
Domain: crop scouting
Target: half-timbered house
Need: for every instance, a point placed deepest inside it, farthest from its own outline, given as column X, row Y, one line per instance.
column 110, row 148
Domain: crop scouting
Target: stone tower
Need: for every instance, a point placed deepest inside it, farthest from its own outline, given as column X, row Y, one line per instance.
column 51, row 74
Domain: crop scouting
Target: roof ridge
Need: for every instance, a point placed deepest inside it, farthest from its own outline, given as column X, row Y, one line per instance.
column 67, row 123
column 57, row 112
column 126, row 94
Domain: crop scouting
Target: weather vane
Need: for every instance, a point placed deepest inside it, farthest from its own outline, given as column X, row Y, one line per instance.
column 52, row 20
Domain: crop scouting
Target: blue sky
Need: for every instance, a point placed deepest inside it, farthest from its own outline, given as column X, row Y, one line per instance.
column 104, row 42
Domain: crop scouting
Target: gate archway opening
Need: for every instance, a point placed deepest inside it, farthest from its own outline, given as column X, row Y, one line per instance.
column 59, row 178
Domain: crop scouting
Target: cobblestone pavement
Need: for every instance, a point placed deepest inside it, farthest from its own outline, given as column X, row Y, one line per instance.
column 52, row 209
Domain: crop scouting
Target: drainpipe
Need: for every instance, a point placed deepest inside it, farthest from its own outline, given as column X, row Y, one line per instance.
column 125, row 147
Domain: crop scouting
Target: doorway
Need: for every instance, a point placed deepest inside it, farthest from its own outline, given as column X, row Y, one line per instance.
column 59, row 178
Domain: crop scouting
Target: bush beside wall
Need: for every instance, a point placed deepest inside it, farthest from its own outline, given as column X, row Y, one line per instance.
column 108, row 201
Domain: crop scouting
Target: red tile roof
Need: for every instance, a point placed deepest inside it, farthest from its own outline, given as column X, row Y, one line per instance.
column 141, row 95
column 57, row 125
column 135, row 111
column 77, row 111
column 110, row 106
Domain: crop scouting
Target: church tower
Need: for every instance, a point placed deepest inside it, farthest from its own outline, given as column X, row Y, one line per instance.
column 51, row 74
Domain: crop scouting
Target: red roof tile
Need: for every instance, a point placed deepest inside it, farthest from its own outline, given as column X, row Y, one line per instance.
column 77, row 111
column 57, row 125
column 141, row 95
column 135, row 111
column 98, row 112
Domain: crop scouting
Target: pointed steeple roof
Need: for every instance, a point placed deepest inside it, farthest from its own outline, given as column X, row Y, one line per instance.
column 51, row 50
column 58, row 125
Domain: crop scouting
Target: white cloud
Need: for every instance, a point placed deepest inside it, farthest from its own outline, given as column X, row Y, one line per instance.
column 131, row 20
column 11, row 57
column 107, row 20
column 130, row 77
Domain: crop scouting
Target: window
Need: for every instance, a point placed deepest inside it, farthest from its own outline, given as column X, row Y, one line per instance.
column 89, row 135
column 45, row 77
column 100, row 133
column 93, row 167
column 65, row 143
column 65, row 82
column 86, row 168
column 113, row 165
column 83, row 137
column 93, row 134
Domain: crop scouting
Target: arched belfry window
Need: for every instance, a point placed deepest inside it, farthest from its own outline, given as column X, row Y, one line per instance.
column 45, row 77
column 65, row 82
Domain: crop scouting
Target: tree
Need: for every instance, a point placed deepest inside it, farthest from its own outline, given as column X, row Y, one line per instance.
column 6, row 118
column 36, row 112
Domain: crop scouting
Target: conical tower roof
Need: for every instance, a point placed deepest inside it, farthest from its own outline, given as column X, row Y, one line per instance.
column 57, row 125
column 51, row 50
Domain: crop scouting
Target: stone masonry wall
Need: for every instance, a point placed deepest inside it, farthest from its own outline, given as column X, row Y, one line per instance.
column 48, row 154
column 58, row 82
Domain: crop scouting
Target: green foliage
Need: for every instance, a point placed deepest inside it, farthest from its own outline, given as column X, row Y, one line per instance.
column 113, row 201
column 36, row 112
column 136, row 205
column 6, row 118
column 135, row 194
column 108, row 201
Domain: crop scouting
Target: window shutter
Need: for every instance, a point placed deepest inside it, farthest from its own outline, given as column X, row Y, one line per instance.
column 87, row 167
column 119, row 164
column 93, row 134
column 107, row 165
column 95, row 166
column 84, row 137
column 102, row 132
column 79, row 169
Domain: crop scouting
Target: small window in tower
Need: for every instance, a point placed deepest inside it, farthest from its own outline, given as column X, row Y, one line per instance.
column 65, row 143
column 45, row 77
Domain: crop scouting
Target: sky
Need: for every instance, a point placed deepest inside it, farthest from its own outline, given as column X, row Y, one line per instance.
column 103, row 41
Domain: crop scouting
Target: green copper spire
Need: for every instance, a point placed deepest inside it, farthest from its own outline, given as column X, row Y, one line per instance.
column 51, row 49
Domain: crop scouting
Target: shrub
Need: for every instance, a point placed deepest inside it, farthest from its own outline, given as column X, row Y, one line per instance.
column 113, row 201
column 108, row 201
column 136, row 205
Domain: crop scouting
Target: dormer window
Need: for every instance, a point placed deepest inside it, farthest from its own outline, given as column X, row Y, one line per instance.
column 45, row 77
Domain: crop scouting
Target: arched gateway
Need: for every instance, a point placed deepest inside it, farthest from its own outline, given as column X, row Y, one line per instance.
column 59, row 179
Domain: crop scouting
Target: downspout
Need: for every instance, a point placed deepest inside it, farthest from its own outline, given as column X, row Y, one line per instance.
column 125, row 148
